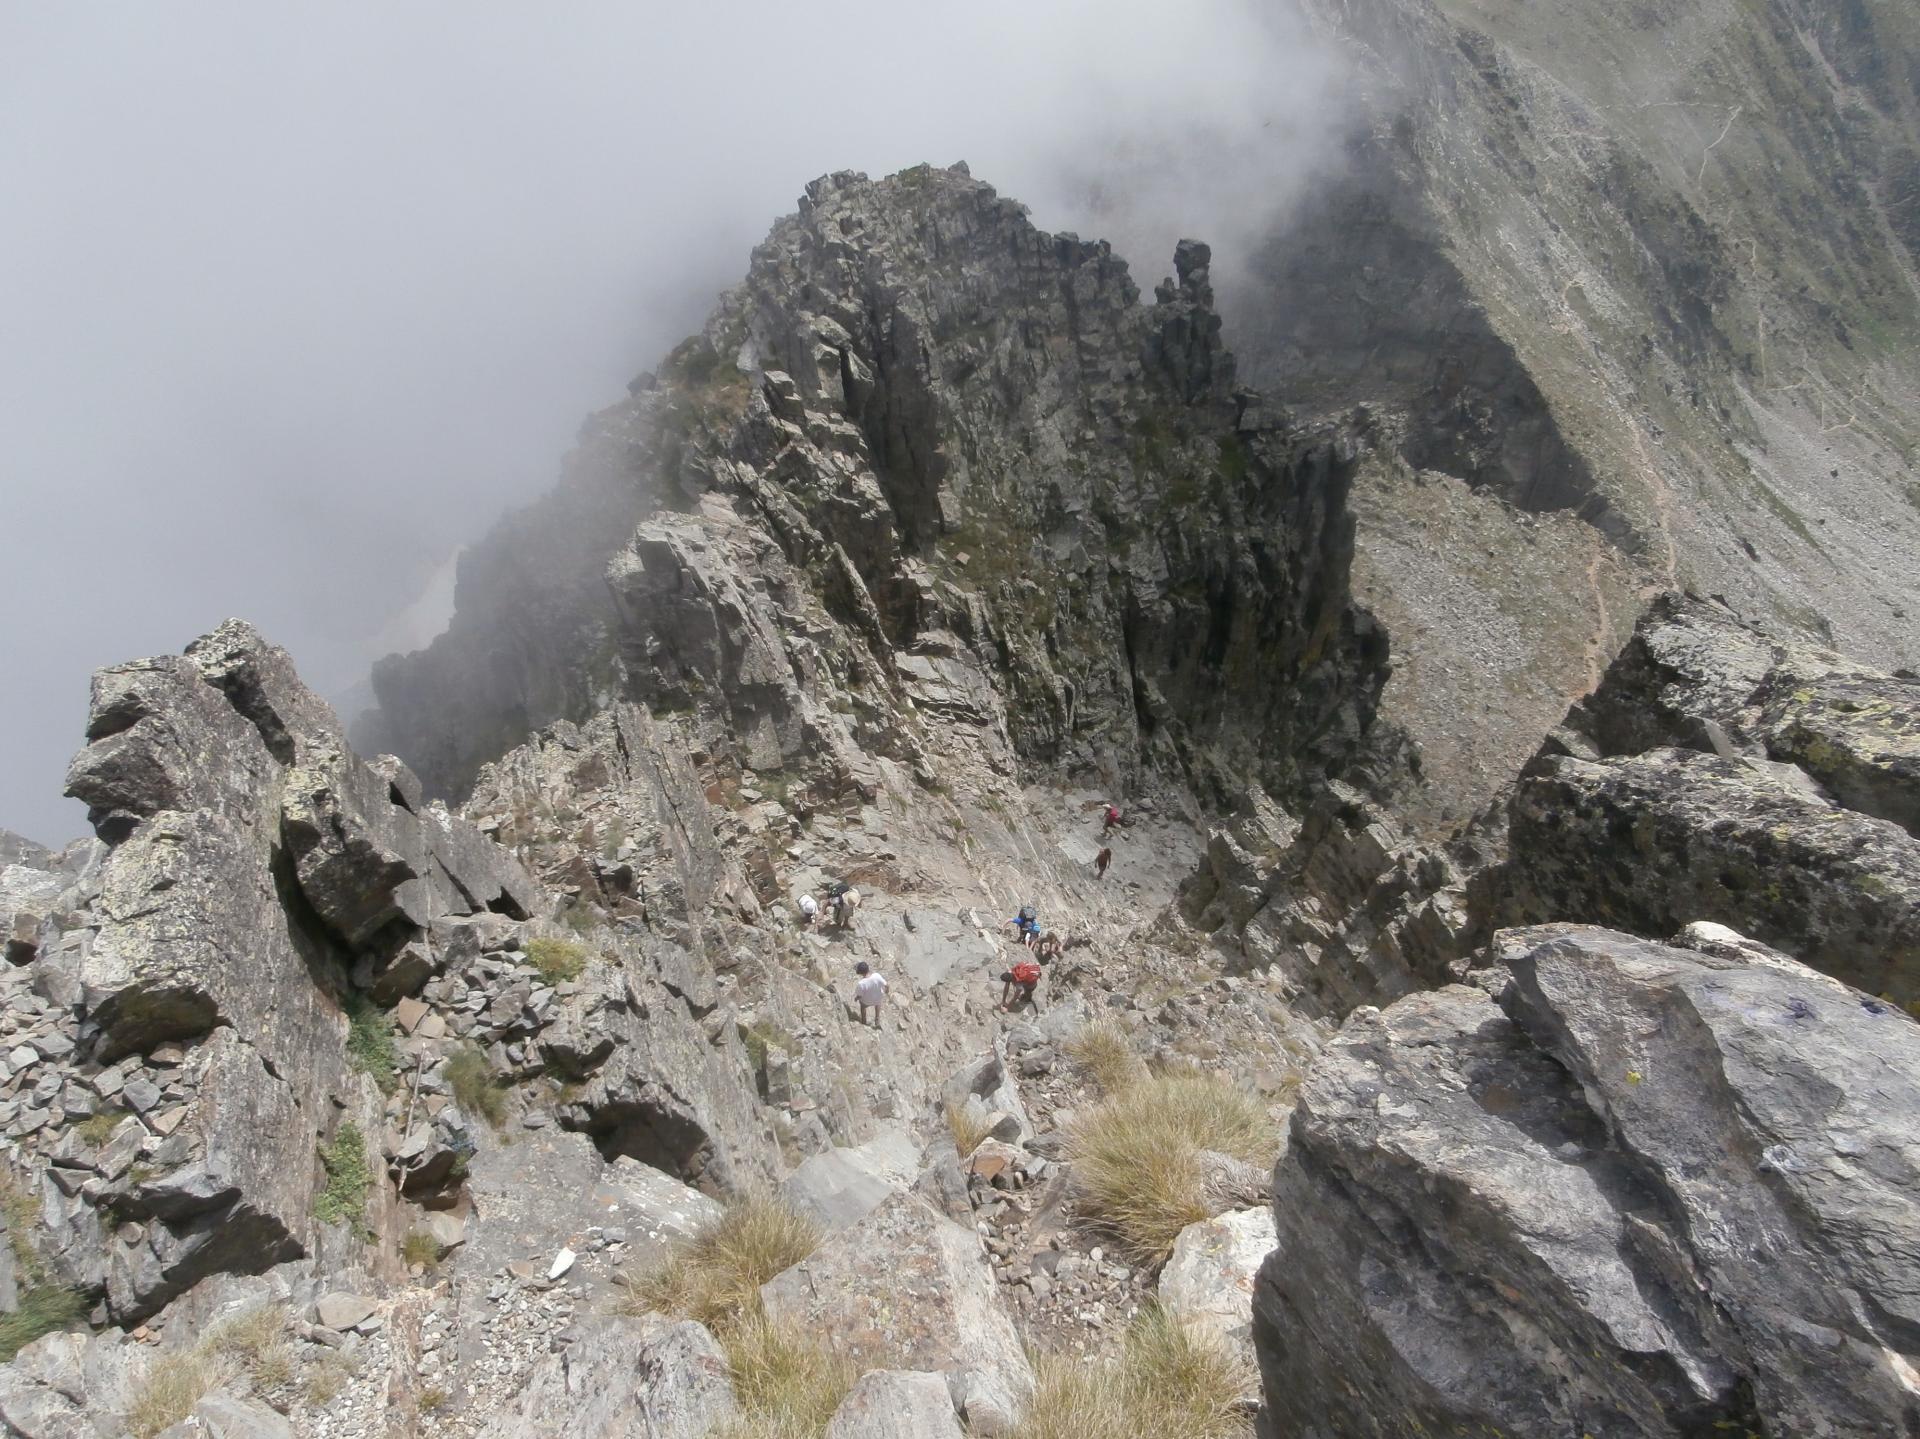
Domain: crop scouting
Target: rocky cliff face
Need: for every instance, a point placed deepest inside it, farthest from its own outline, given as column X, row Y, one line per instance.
column 256, row 876
column 331, row 1109
column 970, row 475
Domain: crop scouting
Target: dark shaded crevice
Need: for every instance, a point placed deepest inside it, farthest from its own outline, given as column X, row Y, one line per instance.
column 252, row 706
column 504, row 904
column 654, row 1134
column 902, row 423
column 328, row 963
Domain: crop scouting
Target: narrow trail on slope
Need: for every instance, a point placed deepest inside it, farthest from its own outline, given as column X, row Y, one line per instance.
column 1664, row 507
column 1601, row 644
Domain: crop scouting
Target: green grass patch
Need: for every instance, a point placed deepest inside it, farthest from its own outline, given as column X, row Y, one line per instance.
column 43, row 1310
column 370, row 1046
column 22, row 1211
column 557, row 960
column 475, row 1090
column 419, row 1247
column 97, row 1129
column 762, row 1038
column 1234, row 462
column 343, row 1199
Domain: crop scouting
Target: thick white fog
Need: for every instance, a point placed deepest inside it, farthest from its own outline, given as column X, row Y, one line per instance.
column 294, row 300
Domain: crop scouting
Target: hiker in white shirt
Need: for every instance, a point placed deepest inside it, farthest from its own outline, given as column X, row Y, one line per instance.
column 870, row 990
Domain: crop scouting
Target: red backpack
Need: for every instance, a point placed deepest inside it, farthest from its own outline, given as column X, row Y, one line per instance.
column 1026, row 972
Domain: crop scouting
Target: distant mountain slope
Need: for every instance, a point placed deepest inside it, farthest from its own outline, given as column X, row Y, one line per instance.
column 1651, row 264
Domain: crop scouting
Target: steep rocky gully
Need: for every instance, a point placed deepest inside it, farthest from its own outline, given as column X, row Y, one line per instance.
column 347, row 1094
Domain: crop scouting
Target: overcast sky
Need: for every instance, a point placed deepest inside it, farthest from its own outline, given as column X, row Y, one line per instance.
column 291, row 308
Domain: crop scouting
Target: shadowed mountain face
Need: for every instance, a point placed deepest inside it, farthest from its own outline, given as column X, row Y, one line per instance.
column 1649, row 268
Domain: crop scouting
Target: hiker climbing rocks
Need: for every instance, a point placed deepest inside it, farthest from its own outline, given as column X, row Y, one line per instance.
column 1023, row 977
column 1101, row 861
column 1047, row 948
column 846, row 899
column 870, row 990
column 809, row 910
column 1111, row 819
column 1026, row 925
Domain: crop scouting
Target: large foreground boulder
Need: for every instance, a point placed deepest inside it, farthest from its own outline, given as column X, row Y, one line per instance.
column 909, row 1288
column 1726, row 774
column 1655, row 841
column 1650, row 1191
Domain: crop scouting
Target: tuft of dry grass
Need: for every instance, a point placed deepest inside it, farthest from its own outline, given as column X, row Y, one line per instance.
column 252, row 1342
column 325, row 1378
column 788, row 1385
column 1167, row 1377
column 273, row 1367
column 715, row 1277
column 1104, row 1052
column 97, row 1129
column 1135, row 1158
column 968, row 1127
column 173, row 1386
column 247, row 1335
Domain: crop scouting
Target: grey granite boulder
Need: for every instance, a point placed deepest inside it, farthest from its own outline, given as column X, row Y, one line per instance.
column 1652, row 842
column 833, row 1191
column 1209, row 1277
column 840, row 1187
column 896, row 1404
column 1659, row 1192
column 620, row 1378
column 254, row 866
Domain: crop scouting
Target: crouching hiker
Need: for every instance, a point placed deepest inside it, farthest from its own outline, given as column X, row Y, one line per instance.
column 846, row 899
column 809, row 911
column 1023, row 977
column 870, row 990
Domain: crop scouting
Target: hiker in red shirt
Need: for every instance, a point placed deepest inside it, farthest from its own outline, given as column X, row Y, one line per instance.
column 1024, row 976
column 1111, row 820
